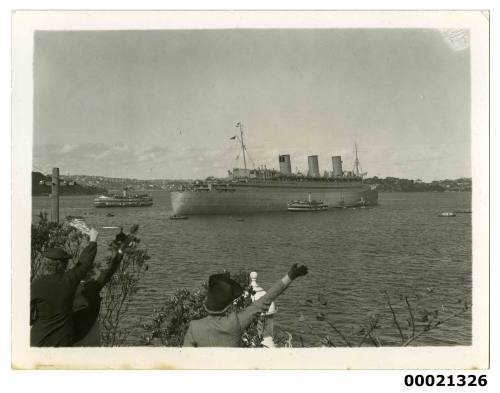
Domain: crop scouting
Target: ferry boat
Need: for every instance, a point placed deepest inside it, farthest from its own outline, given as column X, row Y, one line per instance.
column 125, row 200
column 307, row 206
column 261, row 189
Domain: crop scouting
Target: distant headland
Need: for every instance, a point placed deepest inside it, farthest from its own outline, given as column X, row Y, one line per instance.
column 41, row 185
column 408, row 185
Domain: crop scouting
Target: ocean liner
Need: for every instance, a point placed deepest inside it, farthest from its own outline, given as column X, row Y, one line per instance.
column 256, row 190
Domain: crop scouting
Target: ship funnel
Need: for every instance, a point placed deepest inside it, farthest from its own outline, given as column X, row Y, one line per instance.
column 285, row 164
column 312, row 162
column 337, row 166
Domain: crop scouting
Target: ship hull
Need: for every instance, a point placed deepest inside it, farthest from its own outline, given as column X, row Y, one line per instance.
column 259, row 198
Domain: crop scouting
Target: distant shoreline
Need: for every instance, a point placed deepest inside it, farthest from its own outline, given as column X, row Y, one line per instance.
column 91, row 185
column 380, row 191
column 66, row 195
column 420, row 191
column 40, row 186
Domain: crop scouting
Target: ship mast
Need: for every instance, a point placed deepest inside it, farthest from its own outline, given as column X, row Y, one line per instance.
column 238, row 125
column 356, row 161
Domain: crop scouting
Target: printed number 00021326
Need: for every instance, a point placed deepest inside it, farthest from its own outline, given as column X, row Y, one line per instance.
column 445, row 380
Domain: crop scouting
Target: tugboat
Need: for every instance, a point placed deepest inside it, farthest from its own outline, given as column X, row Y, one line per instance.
column 124, row 200
column 307, row 206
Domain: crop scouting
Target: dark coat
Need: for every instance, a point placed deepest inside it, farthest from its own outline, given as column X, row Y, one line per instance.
column 87, row 303
column 52, row 302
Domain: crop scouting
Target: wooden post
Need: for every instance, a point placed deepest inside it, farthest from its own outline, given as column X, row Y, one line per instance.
column 55, row 195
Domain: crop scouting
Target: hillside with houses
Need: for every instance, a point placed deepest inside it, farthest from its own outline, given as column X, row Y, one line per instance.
column 409, row 185
column 42, row 185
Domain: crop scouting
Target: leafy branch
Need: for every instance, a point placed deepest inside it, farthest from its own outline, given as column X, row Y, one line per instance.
column 367, row 332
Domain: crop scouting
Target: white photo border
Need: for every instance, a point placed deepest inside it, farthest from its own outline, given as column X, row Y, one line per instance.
column 25, row 23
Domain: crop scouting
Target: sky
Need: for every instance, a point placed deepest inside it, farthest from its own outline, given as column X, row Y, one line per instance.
column 164, row 104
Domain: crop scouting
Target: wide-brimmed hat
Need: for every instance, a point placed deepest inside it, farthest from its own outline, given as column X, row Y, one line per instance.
column 222, row 291
column 56, row 253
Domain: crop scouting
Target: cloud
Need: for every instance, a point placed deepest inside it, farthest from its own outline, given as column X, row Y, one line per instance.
column 81, row 158
column 125, row 161
column 157, row 154
column 193, row 162
column 68, row 148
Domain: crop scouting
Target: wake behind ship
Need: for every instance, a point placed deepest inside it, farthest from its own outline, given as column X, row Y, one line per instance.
column 262, row 189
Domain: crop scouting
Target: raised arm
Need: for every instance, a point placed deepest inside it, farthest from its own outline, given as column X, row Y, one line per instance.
column 86, row 260
column 106, row 275
column 262, row 305
column 123, row 241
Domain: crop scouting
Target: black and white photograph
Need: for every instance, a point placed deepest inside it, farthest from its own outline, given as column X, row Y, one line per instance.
column 283, row 183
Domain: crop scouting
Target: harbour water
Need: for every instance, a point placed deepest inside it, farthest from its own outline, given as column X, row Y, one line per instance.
column 401, row 246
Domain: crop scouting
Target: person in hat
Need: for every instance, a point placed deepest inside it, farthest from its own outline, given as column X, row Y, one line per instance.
column 52, row 296
column 222, row 328
column 87, row 302
column 121, row 237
